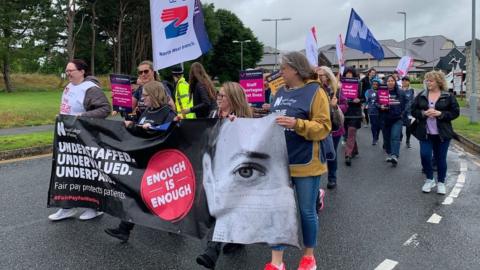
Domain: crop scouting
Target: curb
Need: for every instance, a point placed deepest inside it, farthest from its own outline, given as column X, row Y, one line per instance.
column 26, row 152
column 469, row 144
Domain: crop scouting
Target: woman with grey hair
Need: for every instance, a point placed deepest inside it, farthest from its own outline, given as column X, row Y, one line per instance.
column 305, row 115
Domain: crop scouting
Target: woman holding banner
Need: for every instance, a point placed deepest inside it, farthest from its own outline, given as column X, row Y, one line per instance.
column 337, row 102
column 353, row 115
column 391, row 114
column 306, row 119
column 202, row 92
column 156, row 113
column 81, row 97
column 232, row 103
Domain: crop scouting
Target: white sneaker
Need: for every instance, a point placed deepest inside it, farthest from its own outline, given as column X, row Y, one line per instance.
column 89, row 214
column 62, row 214
column 441, row 189
column 429, row 184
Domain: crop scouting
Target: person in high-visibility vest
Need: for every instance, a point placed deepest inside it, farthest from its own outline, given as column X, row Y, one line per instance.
column 182, row 98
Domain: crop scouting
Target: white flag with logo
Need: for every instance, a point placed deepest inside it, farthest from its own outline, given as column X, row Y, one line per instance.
column 311, row 47
column 340, row 48
column 178, row 32
column 404, row 65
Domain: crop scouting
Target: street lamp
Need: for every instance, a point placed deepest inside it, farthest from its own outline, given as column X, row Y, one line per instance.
column 473, row 94
column 241, row 50
column 276, row 27
column 404, row 31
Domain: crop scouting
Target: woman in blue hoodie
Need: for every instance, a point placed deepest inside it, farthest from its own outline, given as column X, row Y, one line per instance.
column 391, row 119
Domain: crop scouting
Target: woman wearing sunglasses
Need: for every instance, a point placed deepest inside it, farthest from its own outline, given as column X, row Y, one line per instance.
column 146, row 74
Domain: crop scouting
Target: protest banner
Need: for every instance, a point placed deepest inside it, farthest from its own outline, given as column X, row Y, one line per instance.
column 178, row 32
column 275, row 81
column 181, row 179
column 350, row 88
column 383, row 95
column 252, row 83
column 121, row 93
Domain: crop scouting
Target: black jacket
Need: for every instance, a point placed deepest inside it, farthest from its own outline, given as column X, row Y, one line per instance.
column 446, row 103
column 154, row 116
column 202, row 103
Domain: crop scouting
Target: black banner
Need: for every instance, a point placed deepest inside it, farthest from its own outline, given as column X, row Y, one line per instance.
column 99, row 164
column 182, row 179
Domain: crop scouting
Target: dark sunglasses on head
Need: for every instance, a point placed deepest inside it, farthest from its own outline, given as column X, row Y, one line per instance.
column 146, row 71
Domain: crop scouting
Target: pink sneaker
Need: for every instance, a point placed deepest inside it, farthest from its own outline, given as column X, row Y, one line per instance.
column 271, row 266
column 307, row 263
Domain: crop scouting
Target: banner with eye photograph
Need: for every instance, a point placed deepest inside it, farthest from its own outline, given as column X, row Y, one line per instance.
column 195, row 176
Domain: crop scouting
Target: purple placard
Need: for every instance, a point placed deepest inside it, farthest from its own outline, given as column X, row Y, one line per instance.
column 252, row 83
column 350, row 88
column 121, row 92
column 383, row 95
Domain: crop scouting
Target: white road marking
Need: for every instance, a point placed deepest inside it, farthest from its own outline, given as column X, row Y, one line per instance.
column 463, row 167
column 434, row 219
column 455, row 192
column 387, row 265
column 448, row 200
column 412, row 241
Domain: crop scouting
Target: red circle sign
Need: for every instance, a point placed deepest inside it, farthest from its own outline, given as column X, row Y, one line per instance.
column 168, row 185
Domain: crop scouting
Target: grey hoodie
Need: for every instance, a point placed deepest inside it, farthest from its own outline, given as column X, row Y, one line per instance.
column 95, row 103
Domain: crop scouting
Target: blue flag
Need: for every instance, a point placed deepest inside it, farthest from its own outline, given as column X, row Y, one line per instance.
column 359, row 37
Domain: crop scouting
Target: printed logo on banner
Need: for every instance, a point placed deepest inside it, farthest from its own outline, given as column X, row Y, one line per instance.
column 168, row 185
column 61, row 129
column 177, row 15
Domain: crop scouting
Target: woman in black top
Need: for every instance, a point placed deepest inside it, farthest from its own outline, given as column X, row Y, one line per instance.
column 201, row 91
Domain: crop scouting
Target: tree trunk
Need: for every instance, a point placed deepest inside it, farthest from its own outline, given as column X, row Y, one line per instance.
column 123, row 8
column 70, row 28
column 94, row 37
column 6, row 73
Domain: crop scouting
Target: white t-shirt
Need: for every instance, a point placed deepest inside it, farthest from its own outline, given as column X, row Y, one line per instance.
column 73, row 97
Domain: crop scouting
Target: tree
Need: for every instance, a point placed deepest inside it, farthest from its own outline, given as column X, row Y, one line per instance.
column 225, row 58
column 21, row 23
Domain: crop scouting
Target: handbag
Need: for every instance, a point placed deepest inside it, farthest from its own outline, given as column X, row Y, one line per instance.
column 337, row 118
column 327, row 149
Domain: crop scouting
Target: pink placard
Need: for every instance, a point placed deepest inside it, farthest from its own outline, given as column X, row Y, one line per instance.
column 252, row 83
column 121, row 92
column 350, row 88
column 383, row 96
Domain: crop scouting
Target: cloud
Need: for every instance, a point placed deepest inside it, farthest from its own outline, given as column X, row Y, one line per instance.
column 424, row 17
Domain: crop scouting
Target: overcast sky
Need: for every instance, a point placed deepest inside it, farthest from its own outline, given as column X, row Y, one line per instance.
column 451, row 18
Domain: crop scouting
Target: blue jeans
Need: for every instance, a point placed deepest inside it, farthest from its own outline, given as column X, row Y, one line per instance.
column 391, row 137
column 375, row 126
column 306, row 189
column 434, row 144
column 332, row 164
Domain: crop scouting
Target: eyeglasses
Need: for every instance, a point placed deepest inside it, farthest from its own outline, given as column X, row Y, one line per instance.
column 145, row 71
column 70, row 70
column 220, row 96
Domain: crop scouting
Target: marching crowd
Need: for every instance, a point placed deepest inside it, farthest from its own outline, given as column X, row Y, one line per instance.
column 320, row 119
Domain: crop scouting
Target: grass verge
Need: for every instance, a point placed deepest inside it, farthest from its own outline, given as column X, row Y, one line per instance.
column 11, row 142
column 463, row 126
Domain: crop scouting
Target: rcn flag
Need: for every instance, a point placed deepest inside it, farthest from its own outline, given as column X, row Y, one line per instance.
column 359, row 37
column 178, row 32
column 311, row 46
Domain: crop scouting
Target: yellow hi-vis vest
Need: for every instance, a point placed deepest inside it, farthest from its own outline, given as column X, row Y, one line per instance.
column 182, row 99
